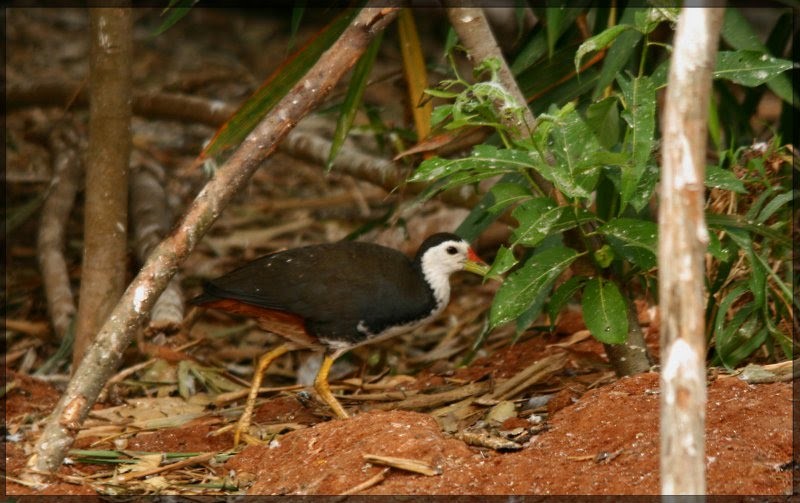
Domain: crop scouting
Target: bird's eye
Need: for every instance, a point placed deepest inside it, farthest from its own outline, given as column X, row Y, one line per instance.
column 452, row 250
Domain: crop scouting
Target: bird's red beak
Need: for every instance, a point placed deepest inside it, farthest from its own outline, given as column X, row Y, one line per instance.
column 475, row 264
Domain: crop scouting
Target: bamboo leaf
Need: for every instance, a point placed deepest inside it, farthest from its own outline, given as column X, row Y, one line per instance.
column 554, row 20
column 355, row 91
column 175, row 11
column 719, row 178
column 415, row 73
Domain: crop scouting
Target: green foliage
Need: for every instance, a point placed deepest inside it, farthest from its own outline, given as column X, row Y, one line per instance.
column 605, row 172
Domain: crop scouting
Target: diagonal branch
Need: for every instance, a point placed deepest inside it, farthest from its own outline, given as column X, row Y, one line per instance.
column 103, row 357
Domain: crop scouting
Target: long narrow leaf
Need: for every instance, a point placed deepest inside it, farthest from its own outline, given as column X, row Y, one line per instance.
column 175, row 11
column 355, row 91
column 415, row 73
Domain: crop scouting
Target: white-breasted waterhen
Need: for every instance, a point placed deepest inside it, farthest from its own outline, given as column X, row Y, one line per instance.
column 334, row 297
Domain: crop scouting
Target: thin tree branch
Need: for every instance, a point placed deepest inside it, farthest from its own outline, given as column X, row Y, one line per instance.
column 151, row 220
column 683, row 238
column 105, row 354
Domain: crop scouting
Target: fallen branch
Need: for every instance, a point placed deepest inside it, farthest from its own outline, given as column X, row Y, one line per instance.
column 299, row 143
column 103, row 357
column 65, row 145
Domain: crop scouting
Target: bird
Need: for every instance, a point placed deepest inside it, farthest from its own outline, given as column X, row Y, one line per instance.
column 334, row 297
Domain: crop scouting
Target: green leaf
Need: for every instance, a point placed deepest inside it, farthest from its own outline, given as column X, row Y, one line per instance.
column 724, row 179
column 574, row 173
column 554, row 17
column 619, row 54
column 503, row 262
column 737, row 338
column 522, row 286
column 480, row 217
column 737, row 32
column 640, row 113
column 530, row 315
column 603, row 119
column 605, row 311
column 536, row 48
column 644, row 190
column 536, row 217
column 294, row 25
column 506, row 194
column 758, row 274
column 355, row 91
column 647, row 20
column 634, row 239
column 562, row 295
column 485, row 159
column 749, row 68
column 440, row 114
column 783, row 200
column 716, row 250
column 277, row 86
column 599, row 42
column 176, row 9
column 737, row 222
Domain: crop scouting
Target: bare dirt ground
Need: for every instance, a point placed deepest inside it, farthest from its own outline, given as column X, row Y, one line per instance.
column 571, row 427
column 601, row 441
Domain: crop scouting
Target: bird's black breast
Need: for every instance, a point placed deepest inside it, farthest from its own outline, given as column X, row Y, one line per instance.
column 342, row 290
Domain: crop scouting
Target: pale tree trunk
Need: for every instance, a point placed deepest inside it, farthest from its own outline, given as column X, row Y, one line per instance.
column 106, row 217
column 683, row 238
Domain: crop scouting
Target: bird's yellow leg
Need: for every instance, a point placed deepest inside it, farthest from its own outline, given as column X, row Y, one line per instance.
column 324, row 389
column 263, row 363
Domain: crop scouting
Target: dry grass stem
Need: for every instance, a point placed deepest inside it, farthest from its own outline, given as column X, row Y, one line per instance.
column 409, row 465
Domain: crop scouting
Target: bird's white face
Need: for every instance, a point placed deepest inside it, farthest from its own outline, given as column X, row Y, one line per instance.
column 445, row 258
column 442, row 260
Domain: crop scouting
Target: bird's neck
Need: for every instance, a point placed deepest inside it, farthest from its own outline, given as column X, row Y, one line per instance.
column 438, row 281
